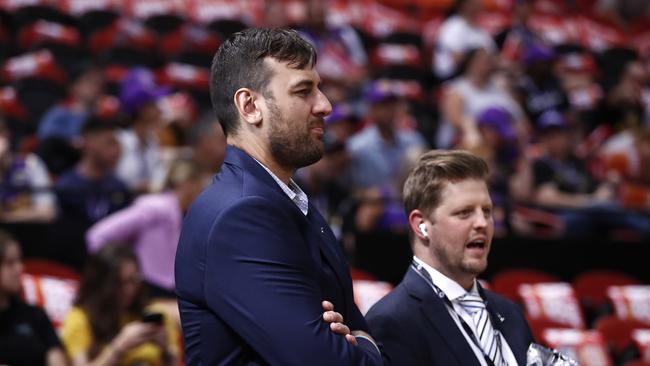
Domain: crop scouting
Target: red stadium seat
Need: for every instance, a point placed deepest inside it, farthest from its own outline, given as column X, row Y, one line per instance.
column 506, row 283
column 618, row 332
column 52, row 286
column 585, row 346
column 591, row 287
column 49, row 268
column 554, row 301
column 539, row 325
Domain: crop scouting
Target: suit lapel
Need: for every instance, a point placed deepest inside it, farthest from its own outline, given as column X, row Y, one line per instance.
column 436, row 312
column 318, row 231
column 511, row 330
column 327, row 243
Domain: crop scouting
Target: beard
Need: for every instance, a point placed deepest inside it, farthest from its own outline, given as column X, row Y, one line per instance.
column 292, row 146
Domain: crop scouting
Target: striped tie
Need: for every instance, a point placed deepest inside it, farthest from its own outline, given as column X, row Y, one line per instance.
column 487, row 337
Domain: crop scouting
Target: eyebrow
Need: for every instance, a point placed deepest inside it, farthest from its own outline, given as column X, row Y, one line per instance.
column 303, row 83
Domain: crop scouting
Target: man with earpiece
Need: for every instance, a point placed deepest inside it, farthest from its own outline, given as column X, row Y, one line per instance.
column 439, row 314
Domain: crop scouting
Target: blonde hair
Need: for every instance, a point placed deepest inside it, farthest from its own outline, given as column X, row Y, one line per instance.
column 424, row 184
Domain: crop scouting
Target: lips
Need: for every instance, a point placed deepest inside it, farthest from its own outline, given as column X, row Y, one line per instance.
column 479, row 243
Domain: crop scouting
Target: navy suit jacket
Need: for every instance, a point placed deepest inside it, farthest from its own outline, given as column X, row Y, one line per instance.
column 412, row 326
column 251, row 273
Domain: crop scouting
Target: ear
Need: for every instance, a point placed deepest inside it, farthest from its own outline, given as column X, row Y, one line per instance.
column 416, row 219
column 246, row 102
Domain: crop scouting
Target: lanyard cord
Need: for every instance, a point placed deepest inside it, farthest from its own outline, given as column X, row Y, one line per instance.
column 425, row 276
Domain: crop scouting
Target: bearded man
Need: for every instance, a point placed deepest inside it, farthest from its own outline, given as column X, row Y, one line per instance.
column 256, row 260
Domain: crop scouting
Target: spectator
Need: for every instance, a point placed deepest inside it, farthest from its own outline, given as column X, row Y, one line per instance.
column 91, row 191
column 563, row 183
column 469, row 94
column 502, row 153
column 518, row 36
column 26, row 335
column 458, row 34
column 341, row 53
column 152, row 224
column 65, row 119
column 626, row 103
column 106, row 327
column 320, row 181
column 342, row 122
column 378, row 150
column 141, row 165
column 539, row 90
column 24, row 185
column 208, row 143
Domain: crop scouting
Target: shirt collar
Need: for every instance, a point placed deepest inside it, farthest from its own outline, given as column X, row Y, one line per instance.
column 450, row 287
column 293, row 191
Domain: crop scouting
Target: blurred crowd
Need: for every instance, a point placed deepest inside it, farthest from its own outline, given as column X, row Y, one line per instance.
column 100, row 104
column 106, row 132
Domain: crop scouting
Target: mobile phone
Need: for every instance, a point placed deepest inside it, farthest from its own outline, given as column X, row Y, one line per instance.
column 153, row 318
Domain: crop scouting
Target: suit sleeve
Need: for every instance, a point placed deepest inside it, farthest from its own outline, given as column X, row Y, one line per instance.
column 398, row 345
column 259, row 279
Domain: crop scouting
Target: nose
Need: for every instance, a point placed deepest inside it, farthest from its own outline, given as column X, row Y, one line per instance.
column 481, row 221
column 322, row 107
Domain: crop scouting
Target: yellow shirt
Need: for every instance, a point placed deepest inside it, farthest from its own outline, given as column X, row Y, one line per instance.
column 77, row 337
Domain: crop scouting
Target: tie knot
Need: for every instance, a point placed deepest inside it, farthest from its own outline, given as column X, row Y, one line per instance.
column 471, row 303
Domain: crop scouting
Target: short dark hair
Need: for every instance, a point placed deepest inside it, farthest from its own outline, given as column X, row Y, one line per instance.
column 96, row 124
column 239, row 63
column 433, row 170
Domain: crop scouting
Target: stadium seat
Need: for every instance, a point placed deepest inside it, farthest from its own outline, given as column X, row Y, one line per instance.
column 45, row 267
column 591, row 287
column 585, row 346
column 554, row 301
column 50, row 285
column 539, row 325
column 618, row 335
column 506, row 283
column 631, row 302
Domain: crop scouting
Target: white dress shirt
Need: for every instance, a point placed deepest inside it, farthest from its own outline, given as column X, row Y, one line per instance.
column 454, row 291
column 293, row 191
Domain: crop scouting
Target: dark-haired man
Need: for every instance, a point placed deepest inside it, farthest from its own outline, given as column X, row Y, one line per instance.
column 91, row 191
column 256, row 260
column 439, row 314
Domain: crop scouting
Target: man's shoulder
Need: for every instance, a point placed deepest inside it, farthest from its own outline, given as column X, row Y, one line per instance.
column 396, row 305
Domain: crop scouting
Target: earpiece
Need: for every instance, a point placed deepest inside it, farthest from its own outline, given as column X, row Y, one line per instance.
column 423, row 229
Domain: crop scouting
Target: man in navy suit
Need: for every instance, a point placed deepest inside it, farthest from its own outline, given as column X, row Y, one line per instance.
column 439, row 314
column 255, row 259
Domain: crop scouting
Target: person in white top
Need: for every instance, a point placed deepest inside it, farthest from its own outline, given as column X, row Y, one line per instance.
column 439, row 314
column 458, row 34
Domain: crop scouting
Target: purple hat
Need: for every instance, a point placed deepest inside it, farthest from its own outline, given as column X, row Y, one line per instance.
column 498, row 119
column 551, row 119
column 537, row 52
column 381, row 90
column 341, row 112
column 139, row 88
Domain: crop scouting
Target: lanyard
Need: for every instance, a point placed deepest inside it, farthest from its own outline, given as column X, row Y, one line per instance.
column 425, row 276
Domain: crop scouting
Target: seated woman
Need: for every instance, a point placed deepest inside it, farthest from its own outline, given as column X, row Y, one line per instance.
column 107, row 326
column 152, row 225
column 26, row 334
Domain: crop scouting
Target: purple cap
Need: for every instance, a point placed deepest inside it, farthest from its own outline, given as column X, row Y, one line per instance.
column 537, row 52
column 381, row 90
column 498, row 119
column 551, row 119
column 139, row 88
column 341, row 112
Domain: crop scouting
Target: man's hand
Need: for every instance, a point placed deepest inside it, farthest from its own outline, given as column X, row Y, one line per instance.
column 336, row 322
